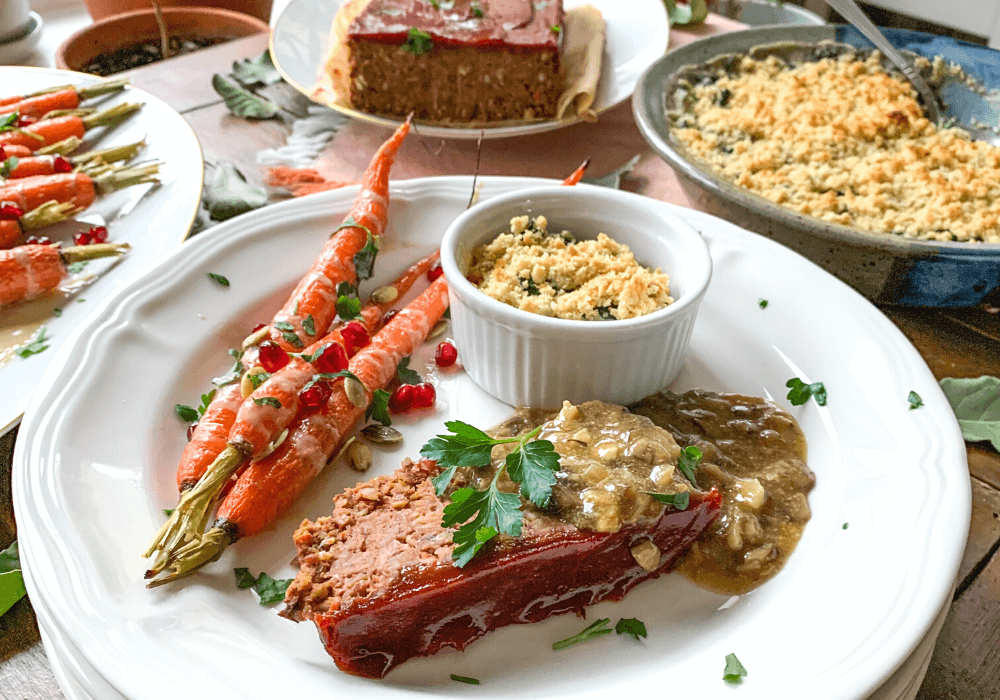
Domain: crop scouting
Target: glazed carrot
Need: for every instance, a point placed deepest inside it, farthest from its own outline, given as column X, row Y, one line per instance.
column 37, row 106
column 210, row 434
column 14, row 151
column 90, row 163
column 78, row 189
column 258, row 423
column 315, row 296
column 45, row 215
column 31, row 270
column 50, row 131
column 83, row 92
column 270, row 485
column 577, row 174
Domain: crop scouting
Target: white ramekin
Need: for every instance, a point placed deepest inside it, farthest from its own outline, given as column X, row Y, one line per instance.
column 525, row 359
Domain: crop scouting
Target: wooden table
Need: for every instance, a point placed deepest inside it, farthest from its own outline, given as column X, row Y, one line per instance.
column 955, row 343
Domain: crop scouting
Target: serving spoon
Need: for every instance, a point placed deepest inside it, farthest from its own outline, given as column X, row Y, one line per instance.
column 958, row 94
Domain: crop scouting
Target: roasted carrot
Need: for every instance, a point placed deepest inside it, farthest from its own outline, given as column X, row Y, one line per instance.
column 90, row 163
column 31, row 270
column 270, row 485
column 37, row 106
column 577, row 174
column 14, row 151
column 78, row 189
column 83, row 91
column 50, row 131
column 46, row 215
column 315, row 296
column 258, row 424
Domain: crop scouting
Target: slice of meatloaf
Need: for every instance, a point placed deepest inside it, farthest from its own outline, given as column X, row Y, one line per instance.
column 378, row 581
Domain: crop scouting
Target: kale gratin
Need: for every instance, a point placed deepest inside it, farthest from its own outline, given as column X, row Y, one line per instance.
column 842, row 140
column 555, row 275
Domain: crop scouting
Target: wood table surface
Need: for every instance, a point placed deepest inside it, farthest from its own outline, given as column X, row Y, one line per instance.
column 954, row 342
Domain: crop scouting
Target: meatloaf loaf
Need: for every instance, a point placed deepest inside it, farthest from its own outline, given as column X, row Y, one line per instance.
column 467, row 61
column 378, row 581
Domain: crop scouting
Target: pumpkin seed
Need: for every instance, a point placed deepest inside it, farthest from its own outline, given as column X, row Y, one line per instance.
column 355, row 391
column 359, row 456
column 381, row 434
column 439, row 328
column 256, row 337
column 342, row 450
column 385, row 295
column 246, row 386
column 275, row 444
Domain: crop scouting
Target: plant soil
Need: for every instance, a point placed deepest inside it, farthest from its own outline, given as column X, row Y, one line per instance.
column 146, row 52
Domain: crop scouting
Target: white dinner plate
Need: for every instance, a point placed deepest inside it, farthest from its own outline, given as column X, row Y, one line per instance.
column 153, row 218
column 637, row 35
column 94, row 467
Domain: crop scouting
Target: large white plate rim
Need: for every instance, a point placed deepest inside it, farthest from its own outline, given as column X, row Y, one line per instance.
column 303, row 26
column 38, row 445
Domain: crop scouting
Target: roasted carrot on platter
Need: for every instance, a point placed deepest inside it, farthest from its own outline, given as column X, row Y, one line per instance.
column 37, row 106
column 31, row 270
column 577, row 174
column 270, row 485
column 49, row 131
column 92, row 162
column 14, row 221
column 83, row 91
column 78, row 189
column 266, row 412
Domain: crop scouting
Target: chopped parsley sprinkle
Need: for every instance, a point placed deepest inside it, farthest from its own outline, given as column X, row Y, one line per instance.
column 734, row 671
column 914, row 399
column 556, row 29
column 418, row 42
column 799, row 392
column 36, row 346
column 762, row 303
column 465, row 679
column 218, row 279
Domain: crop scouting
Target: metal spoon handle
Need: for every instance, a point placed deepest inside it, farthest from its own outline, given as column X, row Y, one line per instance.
column 853, row 14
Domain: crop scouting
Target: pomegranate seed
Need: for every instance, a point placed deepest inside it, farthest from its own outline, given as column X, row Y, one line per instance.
column 355, row 337
column 10, row 212
column 434, row 272
column 401, row 399
column 446, row 355
column 98, row 234
column 257, row 327
column 61, row 165
column 82, row 238
column 272, row 356
column 39, row 240
column 3, row 153
column 333, row 359
column 389, row 315
column 316, row 395
column 190, row 431
column 26, row 120
column 423, row 396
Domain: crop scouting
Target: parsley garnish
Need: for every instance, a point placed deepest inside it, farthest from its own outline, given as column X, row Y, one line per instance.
column 595, row 629
column 407, row 375
column 762, row 303
column 284, row 326
column 234, row 373
column 688, row 464
column 270, row 590
column 364, row 260
column 556, row 29
column 257, row 379
column 292, row 339
column 465, row 679
column 8, row 166
column 218, row 279
column 309, row 325
column 57, row 312
column 35, row 346
column 348, row 304
column 168, row 512
column 477, row 11
column 734, row 670
column 378, row 409
column 915, row 400
column 349, row 222
column 418, row 42
column 435, row 4
column 799, row 392
column 680, row 501
column 532, row 288
column 487, row 513
column 844, row 527
column 78, row 266
column 630, row 625
column 191, row 415
column 268, row 401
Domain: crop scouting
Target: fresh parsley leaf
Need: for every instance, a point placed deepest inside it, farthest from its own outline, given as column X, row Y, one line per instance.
column 244, row 579
column 168, row 512
column 465, row 679
column 630, row 625
column 915, row 400
column 242, row 102
column 8, row 166
column 364, row 259
column 594, row 630
column 844, row 527
column 418, row 42
column 78, row 266
column 407, row 375
column 348, row 307
column 10, row 121
column 206, row 400
column 309, row 325
column 57, row 312
column 36, row 346
column 435, row 4
column 447, row 313
column 762, row 303
column 284, row 326
column 556, row 29
column 477, row 11
column 799, row 392
column 257, row 379
column 734, row 671
column 680, row 501
column 485, row 514
column 292, row 339
column 532, row 288
column 234, row 373
column 186, row 413
column 443, row 480
column 349, row 222
column 378, row 409
column 534, row 466
column 11, row 578
column 268, row 401
column 269, row 590
column 467, row 447
column 688, row 463
column 222, row 281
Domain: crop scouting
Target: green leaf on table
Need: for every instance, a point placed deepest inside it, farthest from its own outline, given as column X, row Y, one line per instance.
column 227, row 193
column 11, row 580
column 614, row 178
column 690, row 12
column 256, row 71
column 976, row 403
column 241, row 102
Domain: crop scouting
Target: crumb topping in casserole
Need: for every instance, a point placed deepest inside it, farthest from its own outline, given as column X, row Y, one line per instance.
column 553, row 274
column 842, row 140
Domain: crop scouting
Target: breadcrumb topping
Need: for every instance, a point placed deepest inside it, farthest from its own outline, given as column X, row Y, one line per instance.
column 842, row 140
column 556, row 275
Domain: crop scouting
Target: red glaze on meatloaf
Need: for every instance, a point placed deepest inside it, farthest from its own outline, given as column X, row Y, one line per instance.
column 378, row 580
column 463, row 61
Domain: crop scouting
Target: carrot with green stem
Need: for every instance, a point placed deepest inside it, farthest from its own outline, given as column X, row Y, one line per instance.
column 49, row 131
column 14, row 221
column 269, row 486
column 38, row 106
column 82, row 92
column 265, row 414
column 31, row 270
column 78, row 189
column 91, row 163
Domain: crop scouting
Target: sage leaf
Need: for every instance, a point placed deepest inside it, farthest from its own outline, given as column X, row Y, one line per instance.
column 227, row 193
column 256, row 71
column 976, row 403
column 11, row 580
column 242, row 102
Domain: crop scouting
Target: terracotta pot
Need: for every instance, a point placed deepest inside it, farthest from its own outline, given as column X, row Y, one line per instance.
column 99, row 9
column 102, row 37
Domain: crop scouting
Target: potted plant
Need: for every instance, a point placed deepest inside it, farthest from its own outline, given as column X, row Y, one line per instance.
column 99, row 9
